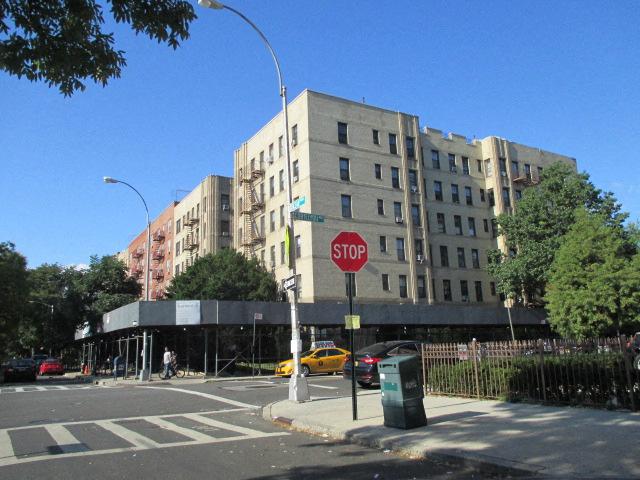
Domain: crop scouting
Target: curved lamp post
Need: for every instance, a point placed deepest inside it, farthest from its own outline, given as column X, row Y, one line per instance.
column 144, row 373
column 298, row 387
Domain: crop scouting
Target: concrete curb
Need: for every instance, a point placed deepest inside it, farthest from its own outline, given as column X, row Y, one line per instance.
column 374, row 439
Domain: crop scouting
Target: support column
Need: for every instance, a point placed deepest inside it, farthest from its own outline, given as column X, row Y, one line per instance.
column 144, row 371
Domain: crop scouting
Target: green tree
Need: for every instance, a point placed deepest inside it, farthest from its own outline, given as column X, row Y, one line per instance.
column 534, row 231
column 14, row 292
column 62, row 42
column 594, row 281
column 105, row 286
column 227, row 275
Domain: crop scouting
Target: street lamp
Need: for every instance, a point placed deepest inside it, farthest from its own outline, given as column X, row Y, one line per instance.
column 144, row 374
column 298, row 387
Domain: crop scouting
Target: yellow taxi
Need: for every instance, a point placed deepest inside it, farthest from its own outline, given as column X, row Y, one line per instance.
column 319, row 360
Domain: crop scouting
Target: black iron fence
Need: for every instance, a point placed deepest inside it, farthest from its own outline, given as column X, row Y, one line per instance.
column 594, row 373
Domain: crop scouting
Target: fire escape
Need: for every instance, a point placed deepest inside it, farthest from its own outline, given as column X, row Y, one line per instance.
column 191, row 240
column 252, row 205
column 158, row 257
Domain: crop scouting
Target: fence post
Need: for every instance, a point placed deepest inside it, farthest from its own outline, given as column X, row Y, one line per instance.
column 627, row 366
column 474, row 349
column 423, row 347
column 544, row 384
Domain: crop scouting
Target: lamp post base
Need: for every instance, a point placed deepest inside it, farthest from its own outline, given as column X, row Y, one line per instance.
column 298, row 389
column 145, row 375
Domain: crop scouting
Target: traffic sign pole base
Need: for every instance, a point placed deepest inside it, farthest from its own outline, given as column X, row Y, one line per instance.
column 298, row 389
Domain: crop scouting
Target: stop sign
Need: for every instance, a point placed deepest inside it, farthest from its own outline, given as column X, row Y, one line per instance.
column 349, row 251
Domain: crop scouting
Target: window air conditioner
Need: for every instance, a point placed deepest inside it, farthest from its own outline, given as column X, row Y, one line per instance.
column 270, row 159
column 399, row 220
column 420, row 258
column 225, row 234
column 414, row 188
column 225, row 207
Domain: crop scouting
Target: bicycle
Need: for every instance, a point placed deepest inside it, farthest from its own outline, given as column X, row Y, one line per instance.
column 179, row 373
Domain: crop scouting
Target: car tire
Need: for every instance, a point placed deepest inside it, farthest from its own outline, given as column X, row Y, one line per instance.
column 305, row 370
column 636, row 362
column 364, row 385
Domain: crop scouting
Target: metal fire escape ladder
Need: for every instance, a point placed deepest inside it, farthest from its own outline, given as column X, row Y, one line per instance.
column 252, row 205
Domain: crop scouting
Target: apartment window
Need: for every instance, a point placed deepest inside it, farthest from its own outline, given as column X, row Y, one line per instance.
column 385, row 281
column 485, row 224
column 262, row 192
column 342, row 133
column 515, row 170
column 411, row 149
column 506, row 199
column 475, row 258
column 402, row 281
column 442, row 226
column 272, row 221
column 262, row 256
column 422, row 287
column 464, row 290
column 413, row 181
column 272, row 256
column 415, row 214
column 380, row 207
column 280, row 147
column 378, row 171
column 479, row 165
column 494, row 228
column 455, row 194
column 272, row 186
column 178, row 226
column 224, row 226
column 383, row 244
column 471, row 223
column 457, row 224
column 492, row 198
column 376, row 137
column 419, row 247
column 444, row 256
column 281, row 180
column 492, row 286
column 282, row 253
column 296, row 171
column 344, row 169
column 540, row 169
column 435, row 159
column 478, row 286
column 298, row 244
column 437, row 189
column 433, row 287
column 262, row 230
column 400, row 249
column 518, row 194
column 393, row 146
column 397, row 210
column 452, row 163
column 468, row 195
column 465, row 165
column 488, row 167
column 482, row 199
column 350, row 278
column 446, row 290
column 178, row 248
column 270, row 155
column 281, row 216
column 294, row 135
column 346, row 205
column 462, row 263
column 177, row 270
column 395, row 177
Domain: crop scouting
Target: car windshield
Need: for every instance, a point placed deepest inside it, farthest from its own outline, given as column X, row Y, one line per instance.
column 51, row 360
column 374, row 349
column 24, row 363
column 308, row 353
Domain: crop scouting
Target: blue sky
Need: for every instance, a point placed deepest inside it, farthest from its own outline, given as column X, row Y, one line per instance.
column 562, row 76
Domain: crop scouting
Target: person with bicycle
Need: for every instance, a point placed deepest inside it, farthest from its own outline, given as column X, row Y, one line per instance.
column 166, row 362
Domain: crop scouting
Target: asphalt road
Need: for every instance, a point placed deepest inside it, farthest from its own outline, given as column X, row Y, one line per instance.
column 162, row 431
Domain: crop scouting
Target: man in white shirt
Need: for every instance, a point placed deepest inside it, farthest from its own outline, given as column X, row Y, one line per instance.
column 166, row 361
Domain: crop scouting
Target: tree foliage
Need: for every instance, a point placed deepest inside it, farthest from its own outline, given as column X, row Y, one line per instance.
column 14, row 292
column 594, row 282
column 227, row 275
column 62, row 42
column 533, row 233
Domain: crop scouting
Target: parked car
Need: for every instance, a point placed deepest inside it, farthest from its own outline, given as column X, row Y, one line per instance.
column 367, row 359
column 634, row 347
column 319, row 360
column 20, row 369
column 51, row 366
column 39, row 358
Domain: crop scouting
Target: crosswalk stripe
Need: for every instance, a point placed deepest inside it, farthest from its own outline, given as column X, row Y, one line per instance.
column 323, row 386
column 137, row 440
column 41, row 389
column 225, row 426
column 63, row 437
column 186, row 432
column 6, row 448
column 18, row 389
column 207, row 395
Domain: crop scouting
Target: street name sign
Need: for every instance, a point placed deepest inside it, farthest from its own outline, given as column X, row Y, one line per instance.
column 297, row 203
column 308, row 217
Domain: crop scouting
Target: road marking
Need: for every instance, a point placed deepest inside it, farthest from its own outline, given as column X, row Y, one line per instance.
column 323, row 386
column 48, row 388
column 63, row 438
column 134, row 438
column 6, row 448
column 18, row 389
column 250, row 432
column 207, row 395
column 41, row 389
column 186, row 432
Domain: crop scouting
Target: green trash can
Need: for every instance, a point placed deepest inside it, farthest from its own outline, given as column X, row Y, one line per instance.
column 401, row 391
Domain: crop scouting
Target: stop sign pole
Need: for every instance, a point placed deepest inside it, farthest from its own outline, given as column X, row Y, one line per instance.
column 349, row 252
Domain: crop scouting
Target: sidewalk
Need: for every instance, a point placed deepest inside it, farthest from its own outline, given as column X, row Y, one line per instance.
column 550, row 441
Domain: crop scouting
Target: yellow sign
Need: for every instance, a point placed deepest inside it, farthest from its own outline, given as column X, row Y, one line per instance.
column 352, row 322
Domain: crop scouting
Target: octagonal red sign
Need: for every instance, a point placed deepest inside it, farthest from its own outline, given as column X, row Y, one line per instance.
column 349, row 251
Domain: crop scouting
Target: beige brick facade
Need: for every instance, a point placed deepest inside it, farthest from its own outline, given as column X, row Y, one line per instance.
column 386, row 194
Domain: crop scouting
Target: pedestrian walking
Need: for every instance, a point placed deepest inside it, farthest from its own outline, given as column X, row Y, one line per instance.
column 116, row 361
column 166, row 361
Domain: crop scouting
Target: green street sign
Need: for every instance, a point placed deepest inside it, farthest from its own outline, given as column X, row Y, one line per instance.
column 308, row 217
